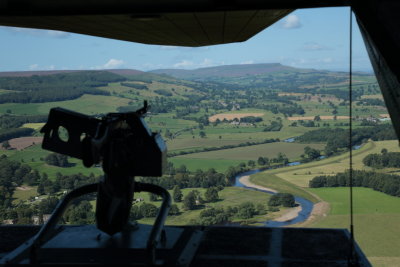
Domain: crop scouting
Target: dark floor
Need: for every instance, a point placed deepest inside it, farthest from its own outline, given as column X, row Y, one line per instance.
column 216, row 246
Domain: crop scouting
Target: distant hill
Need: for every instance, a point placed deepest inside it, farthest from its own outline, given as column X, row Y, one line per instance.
column 122, row 72
column 228, row 71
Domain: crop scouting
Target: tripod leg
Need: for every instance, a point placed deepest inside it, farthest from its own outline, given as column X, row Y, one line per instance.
column 114, row 201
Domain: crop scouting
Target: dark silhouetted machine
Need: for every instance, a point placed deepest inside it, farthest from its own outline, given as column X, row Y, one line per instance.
column 128, row 148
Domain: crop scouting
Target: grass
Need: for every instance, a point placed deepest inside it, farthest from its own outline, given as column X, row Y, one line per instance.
column 87, row 104
column 270, row 150
column 376, row 220
column 36, row 126
column 220, row 165
column 34, row 155
column 272, row 181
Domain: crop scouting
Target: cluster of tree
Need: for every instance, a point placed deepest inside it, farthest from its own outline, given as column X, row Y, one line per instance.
column 275, row 126
column 287, row 110
column 251, row 119
column 370, row 102
column 148, row 210
column 12, row 174
column 57, row 87
column 206, row 149
column 135, row 85
column 386, row 183
column 385, row 159
column 13, row 121
column 282, row 199
column 338, row 139
column 163, row 92
column 310, row 154
column 182, row 178
column 221, row 215
column 80, row 212
column 66, row 182
column 56, row 159
column 6, row 134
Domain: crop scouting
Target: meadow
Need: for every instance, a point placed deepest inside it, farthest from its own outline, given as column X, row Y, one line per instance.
column 376, row 215
column 376, row 221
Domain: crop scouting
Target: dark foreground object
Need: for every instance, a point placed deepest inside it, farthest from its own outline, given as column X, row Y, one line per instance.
column 186, row 246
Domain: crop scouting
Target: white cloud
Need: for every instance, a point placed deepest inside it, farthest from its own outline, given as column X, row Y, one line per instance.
column 183, row 64
column 186, row 64
column 314, row 47
column 291, row 22
column 112, row 64
column 33, row 67
column 37, row 32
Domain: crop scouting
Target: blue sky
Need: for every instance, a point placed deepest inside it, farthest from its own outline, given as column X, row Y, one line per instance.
column 308, row 38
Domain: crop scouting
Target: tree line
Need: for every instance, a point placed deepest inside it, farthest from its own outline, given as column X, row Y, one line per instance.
column 382, row 182
column 383, row 160
column 16, row 121
column 6, row 134
column 337, row 139
column 57, row 87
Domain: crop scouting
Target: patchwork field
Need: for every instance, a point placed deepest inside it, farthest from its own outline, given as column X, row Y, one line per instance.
column 24, row 142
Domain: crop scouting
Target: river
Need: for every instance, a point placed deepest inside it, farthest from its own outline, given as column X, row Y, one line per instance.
column 306, row 205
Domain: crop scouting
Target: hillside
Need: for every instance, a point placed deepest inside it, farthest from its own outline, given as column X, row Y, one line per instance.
column 226, row 71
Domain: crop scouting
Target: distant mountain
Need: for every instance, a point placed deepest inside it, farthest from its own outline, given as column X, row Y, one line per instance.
column 227, row 71
column 122, row 72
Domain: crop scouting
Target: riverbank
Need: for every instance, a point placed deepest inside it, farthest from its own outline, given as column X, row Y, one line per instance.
column 290, row 213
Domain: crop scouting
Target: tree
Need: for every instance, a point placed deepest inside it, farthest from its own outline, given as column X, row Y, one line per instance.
column 246, row 210
column 202, row 134
column 177, row 194
column 174, row 210
column 317, row 118
column 189, row 201
column 148, row 210
column 251, row 163
column 261, row 161
column 211, row 194
column 6, row 145
column 152, row 197
column 384, row 151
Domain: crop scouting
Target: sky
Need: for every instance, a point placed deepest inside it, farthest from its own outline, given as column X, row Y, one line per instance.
column 307, row 38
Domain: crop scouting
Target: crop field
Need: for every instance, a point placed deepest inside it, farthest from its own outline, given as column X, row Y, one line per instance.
column 376, row 221
column 291, row 150
column 24, row 142
column 35, row 126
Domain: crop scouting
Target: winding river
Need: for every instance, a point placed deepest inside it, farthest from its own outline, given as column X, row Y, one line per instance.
column 306, row 205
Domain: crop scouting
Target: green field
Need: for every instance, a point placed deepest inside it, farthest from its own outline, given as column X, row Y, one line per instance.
column 270, row 150
column 87, row 104
column 376, row 221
